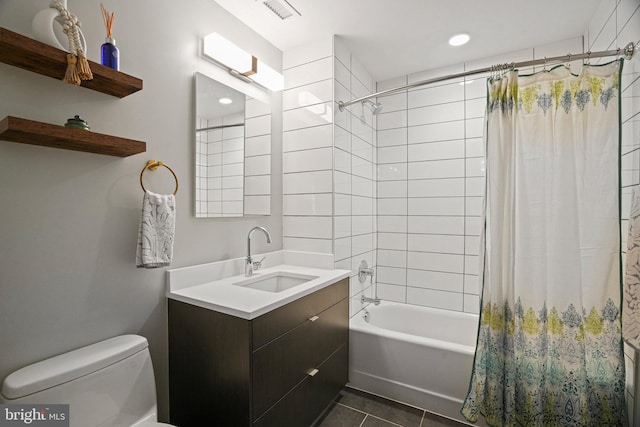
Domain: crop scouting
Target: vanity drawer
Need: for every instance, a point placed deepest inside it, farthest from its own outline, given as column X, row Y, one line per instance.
column 306, row 402
column 283, row 363
column 271, row 325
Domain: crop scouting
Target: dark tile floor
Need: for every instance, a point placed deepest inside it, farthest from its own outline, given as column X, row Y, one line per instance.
column 354, row 408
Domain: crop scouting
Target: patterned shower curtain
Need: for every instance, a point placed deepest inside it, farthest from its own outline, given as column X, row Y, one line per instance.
column 549, row 349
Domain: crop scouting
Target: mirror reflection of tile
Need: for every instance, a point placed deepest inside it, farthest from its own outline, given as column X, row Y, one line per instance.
column 233, row 152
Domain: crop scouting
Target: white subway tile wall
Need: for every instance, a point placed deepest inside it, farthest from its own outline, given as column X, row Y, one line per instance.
column 308, row 148
column 355, row 174
column 614, row 25
column 219, row 167
column 429, row 145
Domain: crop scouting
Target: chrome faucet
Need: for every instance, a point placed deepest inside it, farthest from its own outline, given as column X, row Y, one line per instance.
column 363, row 272
column 250, row 265
column 365, row 300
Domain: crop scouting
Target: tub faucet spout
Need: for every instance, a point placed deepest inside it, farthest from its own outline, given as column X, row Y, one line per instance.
column 250, row 266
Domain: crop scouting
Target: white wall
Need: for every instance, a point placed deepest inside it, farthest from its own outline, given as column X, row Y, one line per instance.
column 354, row 174
column 614, row 25
column 329, row 159
column 308, row 148
column 70, row 219
column 431, row 183
column 422, row 202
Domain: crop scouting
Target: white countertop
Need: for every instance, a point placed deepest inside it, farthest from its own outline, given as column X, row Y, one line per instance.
column 220, row 294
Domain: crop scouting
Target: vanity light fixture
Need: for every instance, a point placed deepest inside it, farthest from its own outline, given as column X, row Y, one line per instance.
column 459, row 39
column 240, row 63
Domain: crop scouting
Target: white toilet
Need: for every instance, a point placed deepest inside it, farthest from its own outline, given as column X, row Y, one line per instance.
column 109, row 383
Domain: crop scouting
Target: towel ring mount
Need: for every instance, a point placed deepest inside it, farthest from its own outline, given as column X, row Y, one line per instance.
column 153, row 165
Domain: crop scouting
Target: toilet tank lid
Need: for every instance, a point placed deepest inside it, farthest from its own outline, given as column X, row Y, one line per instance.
column 69, row 366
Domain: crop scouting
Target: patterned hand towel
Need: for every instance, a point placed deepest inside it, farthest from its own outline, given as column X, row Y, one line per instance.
column 631, row 303
column 157, row 229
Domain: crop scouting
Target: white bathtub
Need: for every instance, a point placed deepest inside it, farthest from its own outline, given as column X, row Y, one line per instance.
column 416, row 355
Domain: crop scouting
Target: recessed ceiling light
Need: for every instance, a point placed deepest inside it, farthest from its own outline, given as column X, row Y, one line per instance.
column 225, row 101
column 459, row 39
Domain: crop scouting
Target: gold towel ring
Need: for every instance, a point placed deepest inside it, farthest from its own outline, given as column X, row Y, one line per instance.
column 153, row 165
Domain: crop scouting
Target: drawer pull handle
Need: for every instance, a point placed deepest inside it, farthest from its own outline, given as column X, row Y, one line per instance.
column 314, row 318
column 313, row 372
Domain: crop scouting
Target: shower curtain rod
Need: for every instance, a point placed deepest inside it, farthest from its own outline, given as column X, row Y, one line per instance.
column 628, row 52
column 219, row 127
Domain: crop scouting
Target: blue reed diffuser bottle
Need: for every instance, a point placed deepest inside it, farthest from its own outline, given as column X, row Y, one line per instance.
column 109, row 52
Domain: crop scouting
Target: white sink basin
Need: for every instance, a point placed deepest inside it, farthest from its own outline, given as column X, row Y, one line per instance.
column 277, row 281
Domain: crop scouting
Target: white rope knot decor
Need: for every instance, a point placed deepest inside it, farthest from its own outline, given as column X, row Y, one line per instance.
column 77, row 64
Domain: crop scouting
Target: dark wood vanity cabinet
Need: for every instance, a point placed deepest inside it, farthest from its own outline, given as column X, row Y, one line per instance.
column 280, row 369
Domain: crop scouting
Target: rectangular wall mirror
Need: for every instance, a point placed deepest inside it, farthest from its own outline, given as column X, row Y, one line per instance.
column 233, row 152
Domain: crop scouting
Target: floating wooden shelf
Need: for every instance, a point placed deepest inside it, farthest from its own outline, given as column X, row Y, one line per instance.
column 31, row 132
column 32, row 55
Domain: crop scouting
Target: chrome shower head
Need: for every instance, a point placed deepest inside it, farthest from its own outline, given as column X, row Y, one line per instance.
column 375, row 107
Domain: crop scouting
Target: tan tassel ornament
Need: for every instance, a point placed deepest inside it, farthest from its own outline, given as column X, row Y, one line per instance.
column 77, row 64
column 83, row 66
column 71, row 76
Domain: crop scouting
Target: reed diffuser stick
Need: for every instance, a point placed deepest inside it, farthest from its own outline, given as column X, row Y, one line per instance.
column 108, row 19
